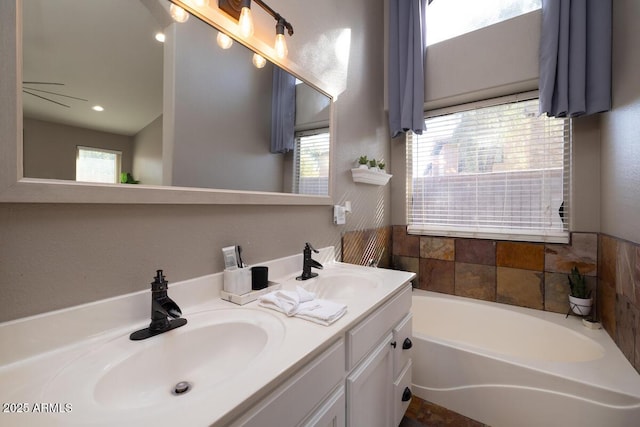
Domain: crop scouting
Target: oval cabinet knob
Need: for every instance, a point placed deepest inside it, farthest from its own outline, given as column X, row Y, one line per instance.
column 406, row 394
column 407, row 344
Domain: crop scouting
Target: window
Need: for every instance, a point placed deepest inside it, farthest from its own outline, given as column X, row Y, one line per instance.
column 97, row 165
column 311, row 172
column 490, row 170
column 446, row 19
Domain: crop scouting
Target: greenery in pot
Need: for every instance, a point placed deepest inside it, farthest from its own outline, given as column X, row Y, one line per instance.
column 363, row 160
column 381, row 165
column 373, row 163
column 578, row 284
column 127, row 178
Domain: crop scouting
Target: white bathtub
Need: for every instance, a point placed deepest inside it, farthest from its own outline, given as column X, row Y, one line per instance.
column 511, row 366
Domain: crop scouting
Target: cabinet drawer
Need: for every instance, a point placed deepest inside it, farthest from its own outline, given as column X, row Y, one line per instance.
column 403, row 349
column 293, row 401
column 362, row 338
column 332, row 413
column 402, row 393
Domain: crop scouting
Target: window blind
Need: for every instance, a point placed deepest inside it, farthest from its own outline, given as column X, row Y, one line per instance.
column 493, row 170
column 311, row 171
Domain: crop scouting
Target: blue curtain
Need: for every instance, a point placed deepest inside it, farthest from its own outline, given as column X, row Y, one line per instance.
column 283, row 111
column 575, row 57
column 406, row 66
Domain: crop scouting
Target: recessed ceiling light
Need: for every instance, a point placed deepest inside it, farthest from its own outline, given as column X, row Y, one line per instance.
column 160, row 37
column 97, row 108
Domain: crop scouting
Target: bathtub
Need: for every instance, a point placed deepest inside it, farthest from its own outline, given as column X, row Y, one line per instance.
column 511, row 366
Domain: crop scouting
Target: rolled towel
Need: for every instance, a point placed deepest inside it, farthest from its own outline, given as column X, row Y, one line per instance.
column 286, row 301
column 321, row 311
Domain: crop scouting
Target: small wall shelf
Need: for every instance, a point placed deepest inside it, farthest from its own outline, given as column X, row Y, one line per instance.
column 368, row 176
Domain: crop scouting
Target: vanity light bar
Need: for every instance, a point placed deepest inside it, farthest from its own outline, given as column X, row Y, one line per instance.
column 241, row 10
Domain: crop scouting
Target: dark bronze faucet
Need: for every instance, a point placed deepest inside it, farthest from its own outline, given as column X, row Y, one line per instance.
column 162, row 307
column 308, row 262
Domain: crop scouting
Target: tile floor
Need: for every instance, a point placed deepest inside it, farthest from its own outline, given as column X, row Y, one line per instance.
column 426, row 414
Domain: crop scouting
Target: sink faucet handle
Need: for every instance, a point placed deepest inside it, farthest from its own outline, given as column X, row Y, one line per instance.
column 159, row 282
column 308, row 246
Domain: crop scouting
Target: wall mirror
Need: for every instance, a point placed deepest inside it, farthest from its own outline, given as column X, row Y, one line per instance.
column 180, row 120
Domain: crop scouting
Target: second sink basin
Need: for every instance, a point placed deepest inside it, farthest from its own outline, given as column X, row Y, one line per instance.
column 340, row 285
column 213, row 347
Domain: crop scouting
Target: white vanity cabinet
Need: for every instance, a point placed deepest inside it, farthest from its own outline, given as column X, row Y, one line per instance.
column 312, row 397
column 379, row 368
column 363, row 379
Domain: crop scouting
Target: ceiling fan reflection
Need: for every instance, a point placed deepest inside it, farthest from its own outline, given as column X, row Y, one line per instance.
column 30, row 90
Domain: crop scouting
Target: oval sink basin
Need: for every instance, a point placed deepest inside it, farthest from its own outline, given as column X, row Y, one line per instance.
column 214, row 347
column 341, row 285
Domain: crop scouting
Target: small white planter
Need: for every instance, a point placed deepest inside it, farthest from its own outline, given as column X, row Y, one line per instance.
column 580, row 306
column 370, row 176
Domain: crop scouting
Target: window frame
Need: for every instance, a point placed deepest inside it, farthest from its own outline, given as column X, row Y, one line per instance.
column 548, row 236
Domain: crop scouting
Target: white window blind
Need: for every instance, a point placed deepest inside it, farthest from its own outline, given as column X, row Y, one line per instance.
column 493, row 170
column 311, row 171
column 97, row 165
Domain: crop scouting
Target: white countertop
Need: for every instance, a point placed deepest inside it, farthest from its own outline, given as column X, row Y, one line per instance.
column 34, row 350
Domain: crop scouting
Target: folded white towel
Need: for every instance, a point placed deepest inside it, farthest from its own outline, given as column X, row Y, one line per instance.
column 321, row 311
column 286, row 301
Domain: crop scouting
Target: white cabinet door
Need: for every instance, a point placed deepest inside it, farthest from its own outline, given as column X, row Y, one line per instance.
column 369, row 389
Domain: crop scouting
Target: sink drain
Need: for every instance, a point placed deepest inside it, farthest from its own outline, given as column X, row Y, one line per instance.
column 181, row 388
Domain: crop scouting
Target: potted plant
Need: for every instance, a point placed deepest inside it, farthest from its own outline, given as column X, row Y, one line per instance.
column 580, row 296
column 363, row 162
column 373, row 164
column 381, row 166
column 127, row 178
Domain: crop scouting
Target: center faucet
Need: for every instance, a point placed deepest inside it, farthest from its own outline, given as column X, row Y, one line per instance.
column 162, row 307
column 308, row 262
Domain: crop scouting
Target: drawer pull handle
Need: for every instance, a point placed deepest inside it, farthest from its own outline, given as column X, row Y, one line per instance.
column 406, row 394
column 407, row 344
column 393, row 344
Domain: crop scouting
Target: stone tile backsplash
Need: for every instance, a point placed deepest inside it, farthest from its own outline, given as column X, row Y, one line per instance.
column 533, row 275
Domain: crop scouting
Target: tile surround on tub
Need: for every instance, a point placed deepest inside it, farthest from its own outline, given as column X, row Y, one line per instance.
column 464, row 267
column 527, row 256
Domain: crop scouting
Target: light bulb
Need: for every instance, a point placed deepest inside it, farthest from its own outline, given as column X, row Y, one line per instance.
column 281, row 46
column 224, row 41
column 200, row 3
column 246, row 22
column 178, row 14
column 258, row 61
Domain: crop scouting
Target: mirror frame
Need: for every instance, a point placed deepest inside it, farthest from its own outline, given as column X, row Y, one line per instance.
column 15, row 188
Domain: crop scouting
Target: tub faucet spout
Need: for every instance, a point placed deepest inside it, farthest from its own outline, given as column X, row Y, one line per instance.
column 162, row 307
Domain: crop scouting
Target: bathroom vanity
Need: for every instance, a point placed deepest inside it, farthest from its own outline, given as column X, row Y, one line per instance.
column 244, row 365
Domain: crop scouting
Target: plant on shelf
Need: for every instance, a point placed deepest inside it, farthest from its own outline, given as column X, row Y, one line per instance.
column 363, row 161
column 381, row 166
column 127, row 178
column 373, row 164
column 580, row 296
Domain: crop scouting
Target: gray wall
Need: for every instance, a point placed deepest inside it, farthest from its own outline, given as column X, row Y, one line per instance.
column 222, row 115
column 147, row 154
column 620, row 151
column 50, row 148
column 54, row 256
